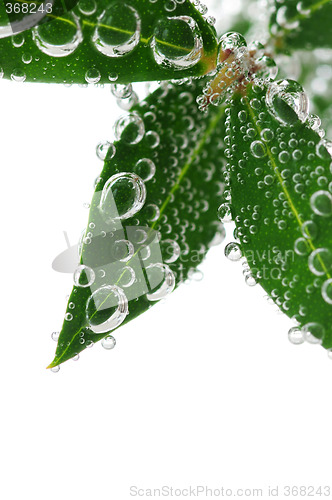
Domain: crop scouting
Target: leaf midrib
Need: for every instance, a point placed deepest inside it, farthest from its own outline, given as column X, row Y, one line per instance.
column 146, row 41
column 285, row 190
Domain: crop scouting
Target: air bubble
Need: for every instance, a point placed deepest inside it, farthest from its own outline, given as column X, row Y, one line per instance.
column 313, row 333
column 26, row 58
column 321, row 203
column 267, row 135
column 18, row 75
column 152, row 139
column 130, row 128
column 161, row 280
column 121, row 91
column 225, row 213
column 303, row 8
column 58, row 38
column 92, row 75
column 105, row 149
column 87, row 7
column 84, row 276
column 258, row 149
column 250, row 280
column 125, row 277
column 286, row 19
column 122, row 250
column 295, row 336
column 122, row 197
column 170, row 251
column 106, row 309
column 55, row 336
column 309, row 229
column 177, row 42
column 118, row 30
column 232, row 42
column 151, row 212
column 287, row 101
column 327, row 291
column 320, row 261
column 266, row 67
column 233, row 252
column 108, row 342
column 145, row 168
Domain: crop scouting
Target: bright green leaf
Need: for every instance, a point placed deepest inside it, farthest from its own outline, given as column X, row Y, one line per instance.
column 280, row 177
column 111, row 40
column 301, row 24
column 163, row 178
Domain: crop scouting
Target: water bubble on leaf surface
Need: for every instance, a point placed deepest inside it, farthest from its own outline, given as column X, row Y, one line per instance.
column 92, row 75
column 87, row 7
column 320, row 261
column 327, row 291
column 258, row 149
column 177, row 42
column 313, row 333
column 231, row 42
column 18, row 75
column 145, row 169
column 58, row 38
column 129, row 128
column 162, row 281
column 84, row 276
column 287, row 101
column 118, row 30
column 170, row 250
column 106, row 308
column 321, row 203
column 125, row 277
column 122, row 250
column 122, row 197
column 309, row 229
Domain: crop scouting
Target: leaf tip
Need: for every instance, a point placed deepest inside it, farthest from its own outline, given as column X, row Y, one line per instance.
column 51, row 365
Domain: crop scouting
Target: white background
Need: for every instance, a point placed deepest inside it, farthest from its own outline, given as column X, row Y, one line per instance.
column 203, row 389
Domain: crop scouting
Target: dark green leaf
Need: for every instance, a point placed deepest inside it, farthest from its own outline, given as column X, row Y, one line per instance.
column 117, row 41
column 303, row 25
column 178, row 151
column 280, row 177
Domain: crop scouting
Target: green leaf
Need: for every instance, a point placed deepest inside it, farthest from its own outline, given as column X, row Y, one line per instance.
column 279, row 173
column 117, row 41
column 178, row 152
column 303, row 25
